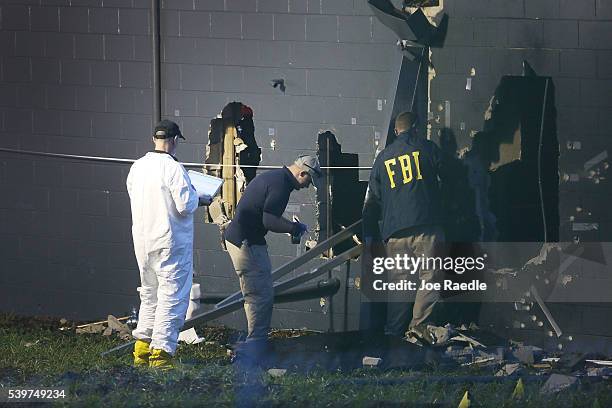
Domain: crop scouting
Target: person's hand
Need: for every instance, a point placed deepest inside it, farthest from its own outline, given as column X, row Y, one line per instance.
column 300, row 228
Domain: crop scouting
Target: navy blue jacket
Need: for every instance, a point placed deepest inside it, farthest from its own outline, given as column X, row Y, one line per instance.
column 404, row 188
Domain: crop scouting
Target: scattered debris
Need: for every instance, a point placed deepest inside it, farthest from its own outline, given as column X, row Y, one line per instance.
column 93, row 328
column 465, row 401
column 519, row 390
column 509, row 369
column 277, row 372
column 527, row 354
column 557, row 382
column 190, row 337
column 599, row 372
column 371, row 361
column 115, row 324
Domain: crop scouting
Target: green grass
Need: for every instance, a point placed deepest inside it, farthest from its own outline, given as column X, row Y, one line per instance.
column 40, row 355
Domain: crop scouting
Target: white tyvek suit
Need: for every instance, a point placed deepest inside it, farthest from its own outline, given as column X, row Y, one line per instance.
column 163, row 202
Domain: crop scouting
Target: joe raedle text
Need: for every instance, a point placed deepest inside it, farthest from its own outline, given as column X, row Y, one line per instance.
column 447, row 285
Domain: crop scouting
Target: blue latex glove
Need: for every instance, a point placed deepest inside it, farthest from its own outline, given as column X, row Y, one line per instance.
column 300, row 228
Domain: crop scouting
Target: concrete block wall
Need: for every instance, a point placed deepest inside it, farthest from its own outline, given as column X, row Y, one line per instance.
column 75, row 77
column 568, row 41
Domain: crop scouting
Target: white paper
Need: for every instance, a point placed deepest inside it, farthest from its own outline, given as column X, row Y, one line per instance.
column 206, row 186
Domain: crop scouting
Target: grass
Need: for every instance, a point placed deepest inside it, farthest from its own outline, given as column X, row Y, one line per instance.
column 39, row 355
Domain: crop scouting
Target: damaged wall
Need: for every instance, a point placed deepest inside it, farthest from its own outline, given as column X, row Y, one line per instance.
column 75, row 78
column 564, row 40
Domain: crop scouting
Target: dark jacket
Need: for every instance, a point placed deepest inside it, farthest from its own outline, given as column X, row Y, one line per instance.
column 404, row 187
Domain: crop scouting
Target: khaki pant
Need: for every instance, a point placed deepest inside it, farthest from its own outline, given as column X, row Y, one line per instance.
column 254, row 270
column 415, row 242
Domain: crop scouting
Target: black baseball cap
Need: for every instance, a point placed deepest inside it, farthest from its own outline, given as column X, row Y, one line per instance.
column 166, row 129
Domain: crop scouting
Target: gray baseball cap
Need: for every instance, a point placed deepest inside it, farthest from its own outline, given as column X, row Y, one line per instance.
column 309, row 164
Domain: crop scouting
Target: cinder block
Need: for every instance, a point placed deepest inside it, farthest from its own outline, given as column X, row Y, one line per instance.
column 272, row 6
column 196, row 77
column 211, row 103
column 105, row 125
column 61, row 97
column 91, row 3
column 505, row 9
column 120, row 100
column 367, row 113
column 16, row 69
column 76, row 123
column 47, row 122
column 289, row 27
column 170, row 23
column 28, row 96
column 92, row 202
column 380, row 33
column 240, row 5
column 60, row 45
column 195, row 24
column 15, row 17
column 180, row 103
column 348, row 83
column 19, row 170
column 228, row 79
column 142, row 49
column 171, row 76
column 109, row 177
column 48, row 173
column 542, row 9
column 73, row 19
column 258, row 26
column 321, row 55
column 304, row 6
column 473, row 8
column 75, row 72
column 143, row 100
column 91, row 98
column 104, row 20
column 596, row 92
column 7, row 43
column 525, row 33
column 584, row 10
column 177, row 4
column 592, row 34
column 505, row 62
column 460, row 32
column 135, row 74
column 604, row 64
column 322, row 28
column 226, row 25
column 44, row 18
column 119, row 47
column 355, row 28
column 274, row 53
column 561, row 34
column 89, row 46
column 104, row 73
column 578, row 63
column 492, row 33
column 339, row 7
column 473, row 57
column 134, row 21
column 134, row 127
column 209, row 5
column 243, row 52
column 119, row 204
column 603, row 9
column 29, row 44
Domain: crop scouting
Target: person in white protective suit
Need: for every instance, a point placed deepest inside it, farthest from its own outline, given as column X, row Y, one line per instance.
column 163, row 201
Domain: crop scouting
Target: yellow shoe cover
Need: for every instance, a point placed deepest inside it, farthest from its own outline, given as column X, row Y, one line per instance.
column 161, row 359
column 141, row 353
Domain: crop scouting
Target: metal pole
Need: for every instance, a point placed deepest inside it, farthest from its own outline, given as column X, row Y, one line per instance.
column 346, row 293
column 155, row 45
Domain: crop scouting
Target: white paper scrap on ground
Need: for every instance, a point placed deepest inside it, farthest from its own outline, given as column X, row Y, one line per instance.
column 206, row 186
column 190, row 337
